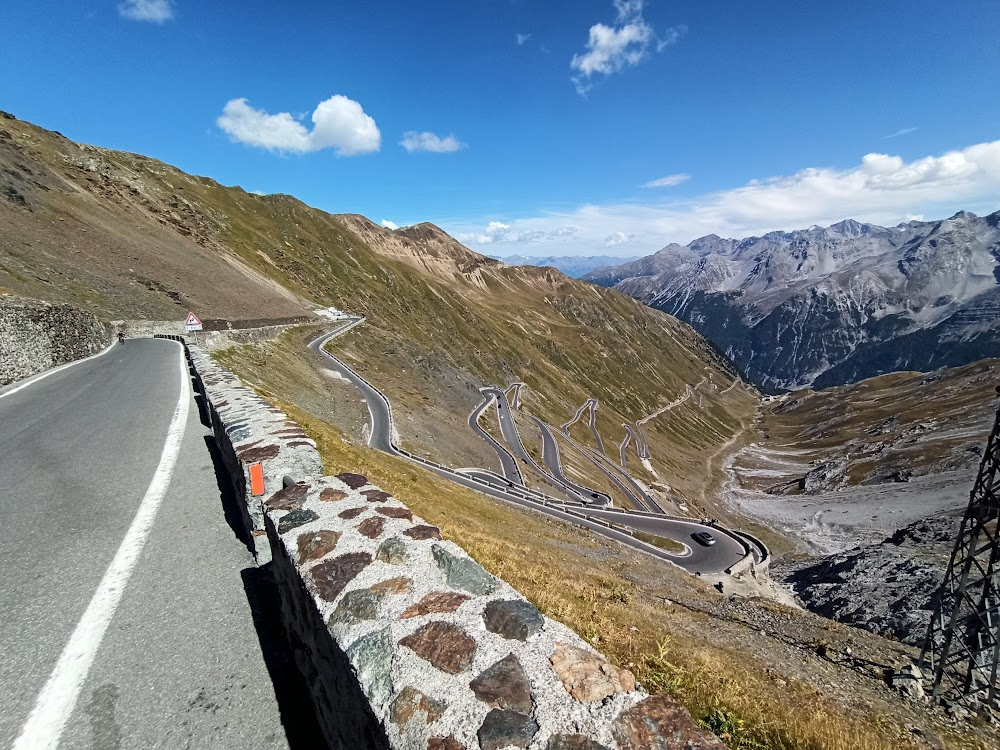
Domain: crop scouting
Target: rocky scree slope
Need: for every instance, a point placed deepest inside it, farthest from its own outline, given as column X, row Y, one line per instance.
column 889, row 588
column 827, row 306
column 126, row 236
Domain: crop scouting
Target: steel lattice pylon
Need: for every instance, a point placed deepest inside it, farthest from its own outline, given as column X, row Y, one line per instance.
column 963, row 641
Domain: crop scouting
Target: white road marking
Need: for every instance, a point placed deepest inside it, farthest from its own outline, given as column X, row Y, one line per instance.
column 55, row 703
column 53, row 371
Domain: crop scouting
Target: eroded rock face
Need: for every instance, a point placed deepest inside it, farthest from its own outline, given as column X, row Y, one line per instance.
column 394, row 512
column 392, row 551
column 295, row 519
column 446, row 646
column 502, row 729
column 317, row 544
column 372, row 527
column 410, row 701
column 371, row 657
column 660, row 723
column 464, row 573
column 330, row 495
column 423, row 531
column 330, row 577
column 505, row 685
column 589, row 676
column 513, row 619
column 354, row 481
column 573, row 742
column 434, row 603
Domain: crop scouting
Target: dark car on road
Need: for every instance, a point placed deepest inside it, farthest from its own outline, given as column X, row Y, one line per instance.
column 703, row 537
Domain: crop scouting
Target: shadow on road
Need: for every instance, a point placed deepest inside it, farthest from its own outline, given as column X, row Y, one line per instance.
column 290, row 688
column 231, row 507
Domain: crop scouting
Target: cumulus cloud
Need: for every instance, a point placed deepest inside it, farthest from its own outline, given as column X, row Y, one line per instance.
column 613, row 48
column 497, row 231
column 390, row 224
column 428, row 141
column 669, row 181
column 882, row 189
column 521, row 39
column 618, row 238
column 153, row 11
column 338, row 123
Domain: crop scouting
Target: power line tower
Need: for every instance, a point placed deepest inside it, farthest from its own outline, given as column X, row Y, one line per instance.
column 963, row 641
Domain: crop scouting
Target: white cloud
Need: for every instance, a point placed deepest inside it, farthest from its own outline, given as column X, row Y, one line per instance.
column 427, row 141
column 390, row 224
column 882, row 189
column 669, row 181
column 521, row 39
column 154, row 11
column 904, row 131
column 338, row 123
column 497, row 231
column 618, row 238
column 613, row 48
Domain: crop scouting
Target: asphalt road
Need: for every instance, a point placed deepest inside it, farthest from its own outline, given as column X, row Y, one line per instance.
column 179, row 660
column 508, row 464
column 552, row 460
column 709, row 560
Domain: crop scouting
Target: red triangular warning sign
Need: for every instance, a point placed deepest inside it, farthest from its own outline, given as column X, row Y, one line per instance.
column 192, row 320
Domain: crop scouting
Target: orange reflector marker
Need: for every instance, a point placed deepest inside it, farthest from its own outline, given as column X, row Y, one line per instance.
column 256, row 479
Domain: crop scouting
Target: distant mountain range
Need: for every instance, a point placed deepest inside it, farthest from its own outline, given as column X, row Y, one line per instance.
column 572, row 265
column 826, row 306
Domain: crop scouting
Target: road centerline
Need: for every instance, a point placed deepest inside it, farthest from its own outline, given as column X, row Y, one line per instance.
column 55, row 703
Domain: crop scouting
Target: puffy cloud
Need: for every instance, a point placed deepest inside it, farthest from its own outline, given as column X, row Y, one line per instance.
column 612, row 48
column 881, row 189
column 497, row 231
column 669, row 181
column 521, row 39
column 427, row 141
column 390, row 224
column 154, row 11
column 338, row 123
column 618, row 238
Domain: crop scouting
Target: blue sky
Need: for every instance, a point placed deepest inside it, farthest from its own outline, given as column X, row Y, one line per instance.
column 538, row 128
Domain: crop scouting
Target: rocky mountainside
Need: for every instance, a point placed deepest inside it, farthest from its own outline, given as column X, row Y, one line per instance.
column 827, row 306
column 126, row 236
column 573, row 266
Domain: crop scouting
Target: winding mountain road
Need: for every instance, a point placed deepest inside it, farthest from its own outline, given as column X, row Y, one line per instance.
column 715, row 559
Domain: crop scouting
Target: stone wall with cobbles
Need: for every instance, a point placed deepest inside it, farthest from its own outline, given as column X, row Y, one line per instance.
column 406, row 642
column 36, row 336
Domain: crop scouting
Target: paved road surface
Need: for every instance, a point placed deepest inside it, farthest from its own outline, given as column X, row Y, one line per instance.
column 713, row 559
column 508, row 464
column 180, row 663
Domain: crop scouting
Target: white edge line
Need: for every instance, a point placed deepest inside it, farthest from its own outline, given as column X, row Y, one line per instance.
column 57, row 700
column 54, row 370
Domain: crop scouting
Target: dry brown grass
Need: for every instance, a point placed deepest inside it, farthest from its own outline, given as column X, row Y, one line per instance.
column 718, row 669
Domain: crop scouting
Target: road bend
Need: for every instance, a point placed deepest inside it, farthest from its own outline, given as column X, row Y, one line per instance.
column 708, row 560
column 126, row 598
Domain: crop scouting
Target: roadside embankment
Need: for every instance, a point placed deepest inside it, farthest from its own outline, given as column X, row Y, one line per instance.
column 35, row 336
column 406, row 641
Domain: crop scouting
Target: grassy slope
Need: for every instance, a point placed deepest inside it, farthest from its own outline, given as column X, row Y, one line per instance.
column 441, row 321
column 758, row 668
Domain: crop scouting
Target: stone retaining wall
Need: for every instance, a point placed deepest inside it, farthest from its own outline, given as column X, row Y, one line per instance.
column 35, row 336
column 406, row 642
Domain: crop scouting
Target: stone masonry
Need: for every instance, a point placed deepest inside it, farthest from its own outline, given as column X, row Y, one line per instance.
column 35, row 336
column 406, row 642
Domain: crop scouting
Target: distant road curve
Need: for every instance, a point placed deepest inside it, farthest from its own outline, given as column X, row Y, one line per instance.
column 715, row 559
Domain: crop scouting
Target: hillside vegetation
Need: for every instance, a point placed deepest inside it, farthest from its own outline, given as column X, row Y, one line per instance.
column 127, row 236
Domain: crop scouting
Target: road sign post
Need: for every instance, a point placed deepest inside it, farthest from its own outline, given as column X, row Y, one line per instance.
column 191, row 323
